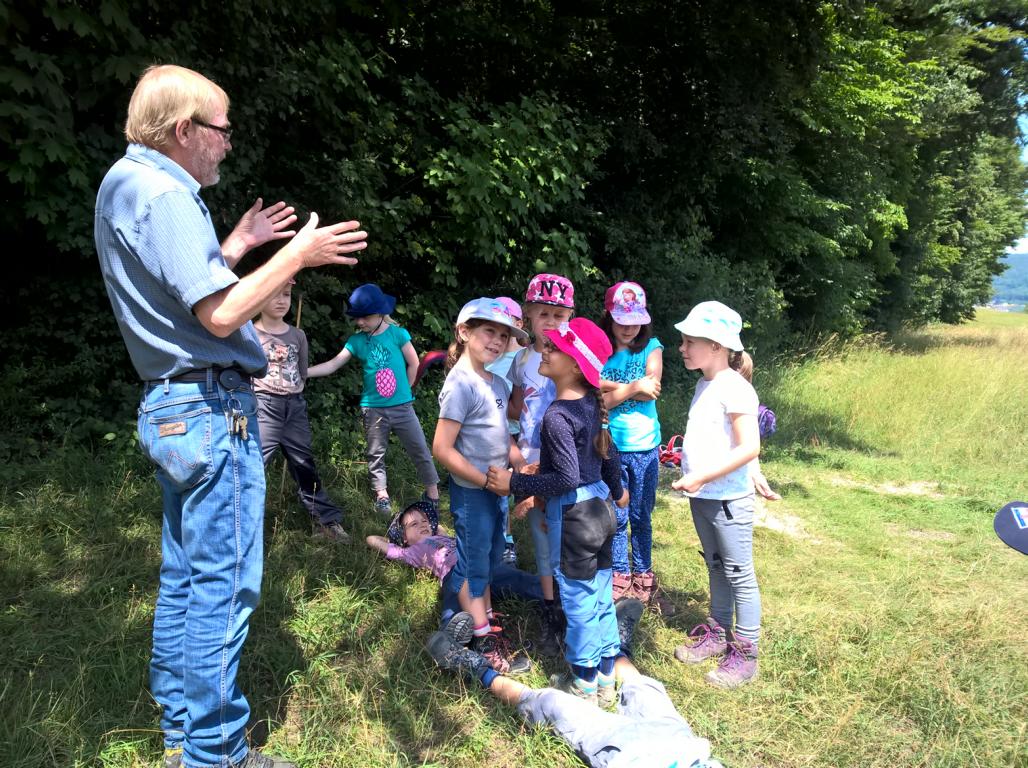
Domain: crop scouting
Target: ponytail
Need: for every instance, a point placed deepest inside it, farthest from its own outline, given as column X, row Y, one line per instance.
column 456, row 348
column 735, row 359
column 602, row 442
column 745, row 366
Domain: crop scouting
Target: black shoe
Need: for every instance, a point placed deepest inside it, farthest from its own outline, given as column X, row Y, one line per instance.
column 331, row 531
column 497, row 651
column 460, row 628
column 629, row 610
column 449, row 655
column 255, row 759
column 550, row 633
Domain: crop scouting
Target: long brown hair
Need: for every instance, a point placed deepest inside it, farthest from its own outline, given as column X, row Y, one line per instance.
column 602, row 442
column 636, row 345
column 457, row 346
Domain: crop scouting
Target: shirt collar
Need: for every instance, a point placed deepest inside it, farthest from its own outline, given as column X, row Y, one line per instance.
column 157, row 159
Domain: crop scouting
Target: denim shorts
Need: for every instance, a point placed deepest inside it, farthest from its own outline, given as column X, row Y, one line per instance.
column 478, row 524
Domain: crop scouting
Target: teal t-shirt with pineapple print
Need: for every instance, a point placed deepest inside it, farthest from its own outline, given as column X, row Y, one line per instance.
column 385, row 371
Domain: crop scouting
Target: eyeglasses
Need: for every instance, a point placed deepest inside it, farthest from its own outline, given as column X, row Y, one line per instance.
column 224, row 130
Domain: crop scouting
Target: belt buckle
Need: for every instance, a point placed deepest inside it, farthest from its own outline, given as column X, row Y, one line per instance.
column 229, row 378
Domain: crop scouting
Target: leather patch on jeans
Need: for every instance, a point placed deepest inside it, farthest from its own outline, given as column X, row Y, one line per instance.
column 174, row 428
column 586, row 535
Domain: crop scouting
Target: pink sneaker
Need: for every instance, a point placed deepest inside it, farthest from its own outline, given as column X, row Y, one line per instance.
column 622, row 585
column 738, row 666
column 705, row 640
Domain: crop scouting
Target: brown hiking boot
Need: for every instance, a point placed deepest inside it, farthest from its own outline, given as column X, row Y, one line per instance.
column 646, row 588
column 622, row 585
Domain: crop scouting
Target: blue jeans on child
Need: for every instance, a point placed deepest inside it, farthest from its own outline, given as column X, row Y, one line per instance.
column 725, row 529
column 646, row 730
column 507, row 582
column 478, row 528
column 212, row 549
column 592, row 629
column 639, row 474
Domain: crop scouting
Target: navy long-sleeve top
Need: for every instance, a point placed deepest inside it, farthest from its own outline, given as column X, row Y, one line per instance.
column 568, row 458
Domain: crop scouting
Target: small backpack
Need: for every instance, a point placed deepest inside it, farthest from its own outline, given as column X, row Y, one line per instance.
column 766, row 421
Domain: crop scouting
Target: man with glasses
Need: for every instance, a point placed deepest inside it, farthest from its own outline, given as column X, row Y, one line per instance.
column 185, row 319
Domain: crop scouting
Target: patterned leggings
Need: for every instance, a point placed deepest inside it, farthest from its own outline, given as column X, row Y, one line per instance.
column 639, row 472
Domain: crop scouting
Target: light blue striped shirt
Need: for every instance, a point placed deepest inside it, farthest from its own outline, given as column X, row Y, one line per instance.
column 159, row 255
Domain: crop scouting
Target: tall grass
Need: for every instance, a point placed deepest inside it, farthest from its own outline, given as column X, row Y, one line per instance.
column 894, row 620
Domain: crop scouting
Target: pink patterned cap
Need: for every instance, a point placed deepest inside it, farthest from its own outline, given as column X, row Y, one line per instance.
column 551, row 289
column 626, row 302
column 512, row 306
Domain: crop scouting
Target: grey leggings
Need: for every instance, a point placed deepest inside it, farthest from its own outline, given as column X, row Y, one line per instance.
column 401, row 419
column 725, row 529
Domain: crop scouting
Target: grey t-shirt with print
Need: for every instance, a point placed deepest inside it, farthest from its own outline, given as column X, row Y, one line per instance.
column 481, row 408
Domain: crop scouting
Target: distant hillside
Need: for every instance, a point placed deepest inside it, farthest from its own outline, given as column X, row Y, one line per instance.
column 1012, row 286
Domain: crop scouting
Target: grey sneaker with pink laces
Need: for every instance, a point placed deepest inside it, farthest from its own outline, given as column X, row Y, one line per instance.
column 704, row 641
column 738, row 667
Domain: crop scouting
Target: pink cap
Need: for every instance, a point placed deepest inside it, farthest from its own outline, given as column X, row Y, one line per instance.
column 626, row 302
column 551, row 289
column 584, row 341
column 512, row 306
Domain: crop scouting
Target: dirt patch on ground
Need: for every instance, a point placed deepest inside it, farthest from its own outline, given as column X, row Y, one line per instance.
column 766, row 516
column 916, row 488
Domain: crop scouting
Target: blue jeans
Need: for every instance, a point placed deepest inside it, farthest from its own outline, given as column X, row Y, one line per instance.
column 478, row 525
column 725, row 529
column 507, row 582
column 639, row 474
column 212, row 551
column 592, row 628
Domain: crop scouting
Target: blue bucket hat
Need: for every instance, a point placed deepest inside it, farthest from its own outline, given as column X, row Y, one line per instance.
column 368, row 299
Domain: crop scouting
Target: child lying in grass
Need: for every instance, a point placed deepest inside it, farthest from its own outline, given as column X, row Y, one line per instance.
column 414, row 538
column 644, row 730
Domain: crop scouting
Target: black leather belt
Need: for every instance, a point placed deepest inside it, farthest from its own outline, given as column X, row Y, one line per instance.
column 229, row 378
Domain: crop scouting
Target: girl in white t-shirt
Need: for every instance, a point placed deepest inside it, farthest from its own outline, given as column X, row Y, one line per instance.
column 721, row 439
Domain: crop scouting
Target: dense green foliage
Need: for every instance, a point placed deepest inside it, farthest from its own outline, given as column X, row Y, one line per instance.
column 825, row 167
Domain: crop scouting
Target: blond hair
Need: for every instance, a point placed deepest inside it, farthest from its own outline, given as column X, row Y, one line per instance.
column 166, row 94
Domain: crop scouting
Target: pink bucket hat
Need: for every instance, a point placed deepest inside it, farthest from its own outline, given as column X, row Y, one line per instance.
column 551, row 289
column 584, row 341
column 626, row 302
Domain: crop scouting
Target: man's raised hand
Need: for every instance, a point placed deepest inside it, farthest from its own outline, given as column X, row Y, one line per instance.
column 317, row 246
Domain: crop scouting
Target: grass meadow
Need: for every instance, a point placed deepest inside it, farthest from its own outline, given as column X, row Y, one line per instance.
column 896, row 623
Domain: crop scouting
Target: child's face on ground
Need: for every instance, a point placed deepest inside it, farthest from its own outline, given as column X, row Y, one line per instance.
column 485, row 342
column 545, row 317
column 277, row 306
column 368, row 323
column 624, row 334
column 697, row 352
column 555, row 364
column 416, row 527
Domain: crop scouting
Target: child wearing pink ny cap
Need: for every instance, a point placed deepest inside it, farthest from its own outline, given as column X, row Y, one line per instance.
column 549, row 302
column 578, row 472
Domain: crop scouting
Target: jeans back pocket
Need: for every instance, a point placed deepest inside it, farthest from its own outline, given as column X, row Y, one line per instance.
column 177, row 439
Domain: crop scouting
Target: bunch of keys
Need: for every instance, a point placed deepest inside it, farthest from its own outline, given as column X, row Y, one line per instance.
column 238, row 426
